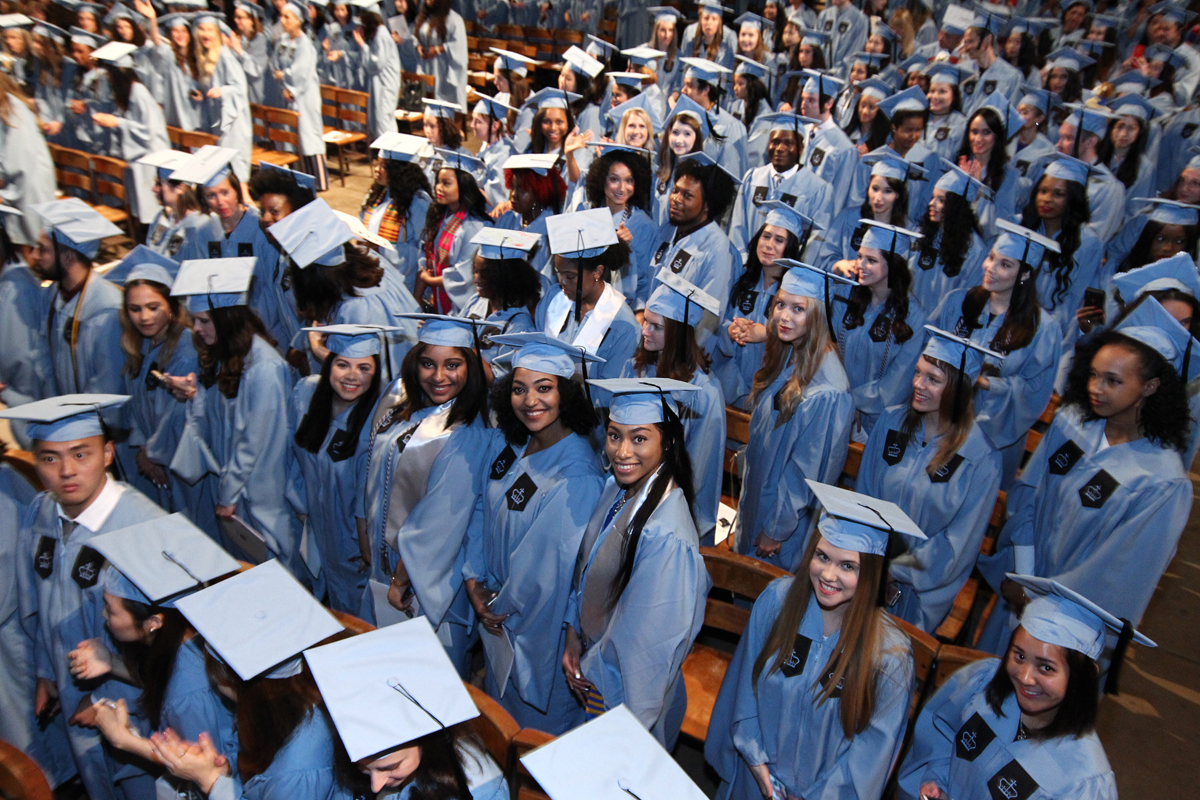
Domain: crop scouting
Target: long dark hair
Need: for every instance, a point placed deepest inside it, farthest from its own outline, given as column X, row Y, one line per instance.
column 441, row 775
column 1127, row 172
column 1020, row 321
column 957, row 226
column 537, row 140
column 470, row 402
column 1164, row 417
column 236, row 327
column 509, row 283
column 899, row 216
column 1139, row 256
column 1076, row 714
column 751, row 276
column 676, row 466
column 318, row 290
column 1077, row 215
column 404, row 180
column 756, row 97
column 371, row 23
column 895, row 309
column 998, row 160
column 120, row 80
column 435, row 11
column 574, row 409
column 154, row 663
column 876, row 135
column 638, row 166
column 469, row 197
column 311, row 432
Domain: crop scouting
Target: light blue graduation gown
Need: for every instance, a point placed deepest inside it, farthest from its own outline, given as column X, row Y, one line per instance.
column 725, row 50
column 382, row 305
column 1106, row 198
column 140, row 130
column 731, row 153
column 840, row 240
column 432, row 539
column 636, row 280
column 1001, row 77
column 228, row 116
column 80, row 132
column 167, row 236
column 830, row 155
column 972, row 753
column 952, row 508
column 95, row 363
column 508, row 320
column 1118, row 248
column 1179, row 133
column 919, row 192
column 493, row 156
column 535, row 511
column 619, row 341
column 931, row 284
column 848, row 29
column 1081, row 509
column 25, row 366
column 704, row 257
column 407, row 247
column 1017, row 396
column 1026, row 159
column 734, row 365
column 880, row 372
column 944, row 134
column 703, row 416
column 297, row 60
column 64, row 608
column 638, row 660
column 254, row 58
column 331, row 491
column 779, row 722
column 448, row 68
column 52, row 101
column 191, row 706
column 347, row 71
column 1084, row 273
column 179, row 110
column 26, row 170
column 303, row 767
column 244, row 462
column 800, row 189
column 381, row 66
column 812, row 444
column 459, row 274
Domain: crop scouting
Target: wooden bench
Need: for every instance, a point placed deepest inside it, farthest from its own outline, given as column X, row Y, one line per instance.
column 189, row 141
column 20, row 777
column 344, row 106
column 75, row 169
column 952, row 658
column 279, row 127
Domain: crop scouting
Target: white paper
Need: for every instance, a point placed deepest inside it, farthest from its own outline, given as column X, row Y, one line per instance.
column 726, row 516
column 251, row 543
column 385, row 613
column 499, row 652
column 398, row 24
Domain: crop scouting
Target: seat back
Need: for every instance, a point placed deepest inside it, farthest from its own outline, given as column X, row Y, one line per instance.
column 72, row 169
column 737, row 431
column 739, row 575
column 329, row 102
column 258, row 119
column 109, row 178
column 20, row 777
column 494, row 726
column 952, row 658
column 925, row 654
column 283, row 126
column 854, row 454
column 353, row 106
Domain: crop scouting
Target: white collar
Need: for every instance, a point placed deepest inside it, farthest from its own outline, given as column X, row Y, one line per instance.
column 827, row 125
column 787, row 173
column 95, row 515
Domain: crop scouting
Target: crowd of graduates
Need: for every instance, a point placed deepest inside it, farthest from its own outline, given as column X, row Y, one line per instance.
column 486, row 410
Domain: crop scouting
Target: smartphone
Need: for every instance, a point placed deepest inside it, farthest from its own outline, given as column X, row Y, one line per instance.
column 1093, row 298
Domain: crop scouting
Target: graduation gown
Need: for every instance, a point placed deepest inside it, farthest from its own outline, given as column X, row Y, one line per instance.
column 705, row 257
column 535, row 511
column 931, row 284
column 952, row 507
column 731, row 153
column 244, row 462
column 25, row 366
column 840, row 240
column 1017, row 395
column 141, row 129
column 459, row 274
column 635, row 654
column 382, row 305
column 1001, row 77
column 408, row 240
column 444, row 496
column 303, row 767
column 636, row 281
column 448, row 68
column 972, row 753
column 179, row 110
column 297, row 60
column 93, row 362
column 610, row 330
column 812, row 444
column 830, row 155
column 167, row 236
column 508, row 320
column 848, row 29
column 1078, row 508
column 778, row 721
column 61, row 600
column 26, row 172
column 801, row 189
column 347, row 71
column 52, row 101
column 191, row 706
column 381, row 66
column 944, row 134
column 1084, row 273
column 485, row 781
column 228, row 117
column 254, row 58
column 734, row 365
column 493, row 157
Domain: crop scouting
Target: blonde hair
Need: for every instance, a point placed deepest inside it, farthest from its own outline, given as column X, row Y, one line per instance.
column 806, row 357
column 207, row 57
column 640, row 112
column 903, row 24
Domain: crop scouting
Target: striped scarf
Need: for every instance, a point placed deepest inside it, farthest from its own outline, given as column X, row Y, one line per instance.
column 437, row 256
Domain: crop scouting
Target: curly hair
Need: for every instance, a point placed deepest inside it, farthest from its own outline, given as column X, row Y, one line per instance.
column 273, row 181
column 1076, row 216
column 574, row 409
column 549, row 191
column 895, row 308
column 223, row 363
column 508, row 283
column 318, row 290
column 998, row 160
column 637, row 165
column 1164, row 417
column 719, row 190
column 404, row 180
column 958, row 224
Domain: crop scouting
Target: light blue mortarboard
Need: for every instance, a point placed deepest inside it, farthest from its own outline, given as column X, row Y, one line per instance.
column 821, row 83
column 1041, row 99
column 302, row 179
column 211, row 18
column 858, row 522
column 1058, row 615
column 1105, row 20
column 352, row 340
column 117, row 54
column 890, row 166
column 990, row 21
column 881, row 29
column 1022, row 244
column 623, row 761
column 1034, row 26
column 870, row 59
column 41, row 28
column 259, row 621
column 313, row 234
column 962, row 354
column 642, row 401
column 874, row 87
column 158, row 561
column 1173, row 12
column 498, row 244
column 251, row 8
column 10, row 21
column 1133, row 82
column 516, row 63
column 75, row 224
column 551, row 97
column 943, row 72
column 581, row 234
column 665, row 13
column 463, row 162
column 66, row 418
column 180, row 19
column 686, row 105
column 604, row 148
column 540, row 352
column 643, row 55
column 786, row 121
column 1093, row 119
column 748, row 66
column 911, row 99
column 1171, row 212
column 956, row 19
column 1167, row 55
column 490, row 106
column 782, row 215
column 144, row 264
column 958, row 181
column 92, row 40
column 813, row 38
column 403, row 147
column 446, row 331
column 121, row 11
column 214, row 282
column 582, row 63
column 702, row 69
column 165, row 161
column 388, row 687
column 1153, row 326
column 751, row 19
column 1092, row 48
column 600, row 48
column 541, row 163
column 705, row 160
column 888, row 238
column 1008, row 113
column 208, row 166
column 442, row 109
column 1069, row 59
column 1131, row 105
column 1068, row 168
column 681, row 300
column 713, row 7
column 805, row 280
column 1177, row 272
column 642, row 101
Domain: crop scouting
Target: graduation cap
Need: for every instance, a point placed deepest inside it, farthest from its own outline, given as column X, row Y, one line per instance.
column 1034, row 26
column 446, row 331
column 1172, row 12
column 259, row 621
column 713, row 7
column 786, row 121
column 250, row 8
column 66, row 418
column 1177, row 272
column 782, row 215
column 352, row 340
column 805, row 280
column 956, row 180
column 604, row 148
column 821, row 83
column 122, row 11
column 552, row 97
column 156, row 562
column 1069, row 169
column 681, row 300
column 751, row 19
column 302, row 179
column 956, row 19
column 1061, row 616
column 1105, row 21
column 582, row 234
column 10, row 21
column 617, row 113
column 541, row 163
column 1021, row 244
column 1041, row 99
column 1092, row 48
column 665, row 13
column 491, row 107
column 1131, row 105
column 1160, row 52
column 96, row 9
column 205, row 17
column 1008, row 113
column 705, row 160
column 1171, row 212
column 874, row 60
column 643, row 401
column 963, row 354
column 612, row 757
column 208, row 166
column 643, row 55
column 176, row 20
column 371, row 6
column 1069, row 59
column 581, row 62
column 631, row 79
column 888, row 238
column 891, row 166
column 75, row 224
column 144, row 264
column 441, row 108
column 1134, row 82
column 916, row 63
column 881, row 29
column 402, row 147
column 313, row 235
column 1085, row 3
column 463, row 162
column 600, row 48
column 1153, row 326
column 118, row 54
column 1093, row 119
column 388, row 687
column 498, row 244
column 911, row 99
column 748, row 66
column 540, row 352
column 86, row 38
column 813, row 38
column 165, row 161
column 874, row 87
column 702, row 69
column 686, row 105
column 42, row 28
column 210, row 283
column 989, row 21
column 858, row 522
